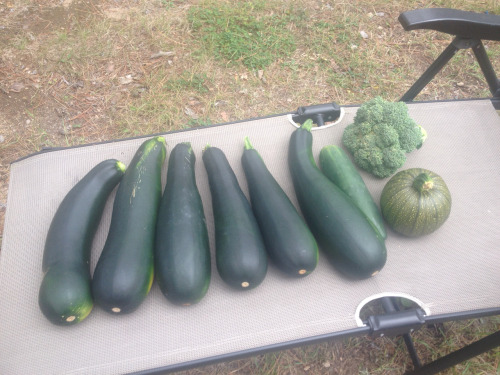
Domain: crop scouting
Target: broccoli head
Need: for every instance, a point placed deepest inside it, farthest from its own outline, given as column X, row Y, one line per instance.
column 381, row 135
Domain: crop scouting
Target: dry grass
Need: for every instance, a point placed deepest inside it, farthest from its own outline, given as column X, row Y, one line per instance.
column 80, row 71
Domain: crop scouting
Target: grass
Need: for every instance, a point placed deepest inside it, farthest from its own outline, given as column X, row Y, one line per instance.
column 246, row 34
column 89, row 69
column 187, row 80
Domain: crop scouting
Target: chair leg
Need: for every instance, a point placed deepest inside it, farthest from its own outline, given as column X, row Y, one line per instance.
column 412, row 351
column 460, row 355
column 389, row 306
column 431, row 72
column 487, row 69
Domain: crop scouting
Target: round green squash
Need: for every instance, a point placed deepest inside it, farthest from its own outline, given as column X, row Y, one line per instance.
column 415, row 202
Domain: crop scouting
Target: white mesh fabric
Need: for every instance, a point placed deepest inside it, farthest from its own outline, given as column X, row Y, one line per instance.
column 454, row 269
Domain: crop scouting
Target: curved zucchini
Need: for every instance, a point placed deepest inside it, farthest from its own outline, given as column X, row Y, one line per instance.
column 289, row 242
column 339, row 169
column 124, row 273
column 240, row 253
column 65, row 296
column 182, row 250
column 350, row 243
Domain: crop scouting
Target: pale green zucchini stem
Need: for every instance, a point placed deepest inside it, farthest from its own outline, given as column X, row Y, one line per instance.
column 248, row 145
column 307, row 125
column 423, row 182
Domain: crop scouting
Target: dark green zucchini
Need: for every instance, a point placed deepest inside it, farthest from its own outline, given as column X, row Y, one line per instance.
column 240, row 254
column 182, row 250
column 289, row 242
column 124, row 273
column 339, row 169
column 65, row 297
column 350, row 243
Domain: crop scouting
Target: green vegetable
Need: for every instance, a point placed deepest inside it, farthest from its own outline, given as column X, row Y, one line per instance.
column 339, row 169
column 349, row 241
column 288, row 240
column 240, row 253
column 381, row 135
column 415, row 202
column 182, row 251
column 124, row 273
column 65, row 296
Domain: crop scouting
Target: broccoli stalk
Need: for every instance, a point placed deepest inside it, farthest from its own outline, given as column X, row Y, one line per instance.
column 381, row 135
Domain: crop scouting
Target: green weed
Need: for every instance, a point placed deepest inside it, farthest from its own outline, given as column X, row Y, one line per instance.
column 192, row 123
column 21, row 42
column 187, row 80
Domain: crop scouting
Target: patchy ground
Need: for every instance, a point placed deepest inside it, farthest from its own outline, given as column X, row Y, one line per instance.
column 80, row 71
column 41, row 106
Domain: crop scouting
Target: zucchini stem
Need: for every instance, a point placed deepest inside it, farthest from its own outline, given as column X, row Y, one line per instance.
column 121, row 166
column 423, row 182
column 188, row 144
column 248, row 145
column 307, row 125
column 161, row 140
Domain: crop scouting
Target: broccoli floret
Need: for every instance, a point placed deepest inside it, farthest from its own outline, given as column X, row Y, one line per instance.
column 381, row 135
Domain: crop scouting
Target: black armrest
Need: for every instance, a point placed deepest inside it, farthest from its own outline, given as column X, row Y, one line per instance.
column 455, row 22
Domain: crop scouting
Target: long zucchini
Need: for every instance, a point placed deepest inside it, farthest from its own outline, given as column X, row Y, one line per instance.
column 65, row 296
column 342, row 231
column 289, row 242
column 339, row 169
column 124, row 273
column 182, row 250
column 240, row 254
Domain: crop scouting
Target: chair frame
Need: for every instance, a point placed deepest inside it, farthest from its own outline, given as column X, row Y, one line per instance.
column 469, row 30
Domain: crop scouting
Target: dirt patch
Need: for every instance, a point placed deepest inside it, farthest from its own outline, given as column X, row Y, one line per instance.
column 33, row 116
column 42, row 17
column 119, row 14
column 25, row 92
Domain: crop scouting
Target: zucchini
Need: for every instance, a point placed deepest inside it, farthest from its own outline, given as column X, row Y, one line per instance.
column 339, row 169
column 182, row 250
column 240, row 254
column 124, row 272
column 350, row 243
column 65, row 297
column 415, row 202
column 289, row 242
